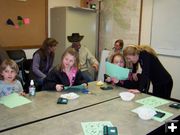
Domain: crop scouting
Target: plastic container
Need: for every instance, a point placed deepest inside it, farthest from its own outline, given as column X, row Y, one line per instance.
column 126, row 96
column 32, row 89
column 146, row 113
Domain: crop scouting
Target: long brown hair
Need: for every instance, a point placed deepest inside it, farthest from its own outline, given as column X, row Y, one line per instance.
column 121, row 43
column 48, row 42
column 136, row 49
column 72, row 52
column 8, row 62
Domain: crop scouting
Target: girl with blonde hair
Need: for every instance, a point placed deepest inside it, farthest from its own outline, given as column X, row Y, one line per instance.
column 67, row 73
column 118, row 59
column 152, row 70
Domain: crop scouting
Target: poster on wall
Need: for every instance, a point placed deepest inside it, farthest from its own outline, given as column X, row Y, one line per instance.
column 20, row 26
column 119, row 20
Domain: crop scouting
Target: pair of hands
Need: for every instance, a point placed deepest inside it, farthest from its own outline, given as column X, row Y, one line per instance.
column 114, row 80
column 134, row 91
column 59, row 87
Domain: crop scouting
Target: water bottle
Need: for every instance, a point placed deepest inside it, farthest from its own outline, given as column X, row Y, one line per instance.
column 32, row 89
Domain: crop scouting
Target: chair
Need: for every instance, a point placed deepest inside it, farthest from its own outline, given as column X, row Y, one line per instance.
column 27, row 63
column 18, row 56
column 26, row 67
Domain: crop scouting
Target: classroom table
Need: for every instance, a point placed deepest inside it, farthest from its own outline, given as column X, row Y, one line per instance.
column 116, row 111
column 44, row 105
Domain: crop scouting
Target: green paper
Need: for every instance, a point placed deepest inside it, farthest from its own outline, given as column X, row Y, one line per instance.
column 14, row 100
column 152, row 101
column 116, row 71
column 77, row 87
column 94, row 128
column 167, row 115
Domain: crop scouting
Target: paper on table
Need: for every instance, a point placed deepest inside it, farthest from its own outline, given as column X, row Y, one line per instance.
column 152, row 101
column 14, row 100
column 94, row 128
column 115, row 71
column 136, row 110
column 70, row 95
column 167, row 115
column 77, row 87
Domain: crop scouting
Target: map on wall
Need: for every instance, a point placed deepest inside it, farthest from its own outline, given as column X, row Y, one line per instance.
column 119, row 20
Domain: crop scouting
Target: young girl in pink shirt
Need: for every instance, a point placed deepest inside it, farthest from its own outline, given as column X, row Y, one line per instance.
column 67, row 73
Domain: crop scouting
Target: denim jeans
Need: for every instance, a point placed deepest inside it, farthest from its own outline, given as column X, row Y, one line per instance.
column 87, row 76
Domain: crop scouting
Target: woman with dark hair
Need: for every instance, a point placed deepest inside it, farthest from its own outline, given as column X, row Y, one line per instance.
column 117, row 48
column 118, row 45
column 43, row 60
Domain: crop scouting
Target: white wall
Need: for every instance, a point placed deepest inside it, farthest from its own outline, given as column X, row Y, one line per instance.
column 172, row 64
column 57, row 3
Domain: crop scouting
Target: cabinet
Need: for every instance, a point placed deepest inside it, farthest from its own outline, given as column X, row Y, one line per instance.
column 68, row 20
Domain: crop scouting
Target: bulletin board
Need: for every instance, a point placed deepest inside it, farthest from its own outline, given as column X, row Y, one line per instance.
column 23, row 23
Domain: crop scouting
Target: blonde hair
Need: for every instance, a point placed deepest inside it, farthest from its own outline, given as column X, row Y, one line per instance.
column 136, row 49
column 72, row 52
column 8, row 62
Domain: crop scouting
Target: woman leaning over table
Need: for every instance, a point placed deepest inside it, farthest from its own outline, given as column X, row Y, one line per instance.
column 152, row 70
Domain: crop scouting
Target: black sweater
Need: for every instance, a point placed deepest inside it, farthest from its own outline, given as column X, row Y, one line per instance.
column 152, row 70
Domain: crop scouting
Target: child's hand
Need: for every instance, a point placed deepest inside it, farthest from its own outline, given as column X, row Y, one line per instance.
column 22, row 93
column 95, row 66
column 108, row 79
column 115, row 80
column 134, row 91
column 85, row 85
column 59, row 87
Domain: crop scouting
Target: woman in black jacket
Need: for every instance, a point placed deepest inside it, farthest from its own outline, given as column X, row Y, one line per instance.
column 152, row 70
